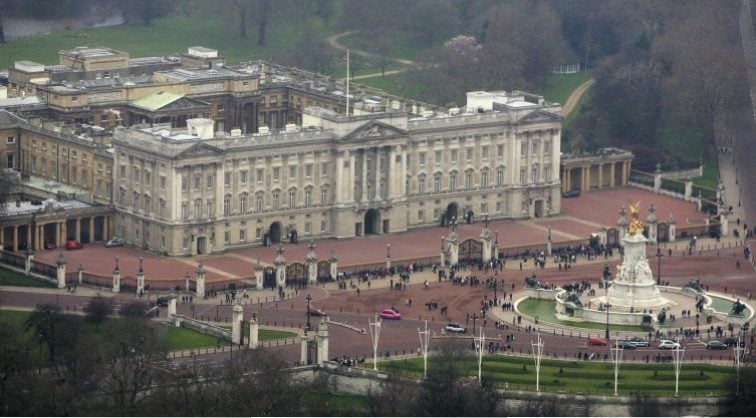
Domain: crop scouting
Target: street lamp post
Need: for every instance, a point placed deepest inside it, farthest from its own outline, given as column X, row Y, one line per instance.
column 308, row 299
column 474, row 318
column 607, row 275
column 495, row 286
column 658, row 266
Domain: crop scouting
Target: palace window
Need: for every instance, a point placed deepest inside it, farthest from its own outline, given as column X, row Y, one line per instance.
column 323, row 196
column 292, row 198
column 276, row 200
column 484, row 178
column 500, row 177
column 243, row 176
column 226, row 205
column 468, row 180
column 259, row 202
column 184, row 210
column 308, row 197
column 243, row 199
column 421, row 184
column 453, row 181
column 197, row 209
column 437, row 183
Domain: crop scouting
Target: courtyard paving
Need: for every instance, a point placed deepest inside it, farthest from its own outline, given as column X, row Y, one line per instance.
column 580, row 217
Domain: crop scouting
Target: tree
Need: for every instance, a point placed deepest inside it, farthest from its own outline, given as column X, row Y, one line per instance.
column 740, row 392
column 44, row 322
column 448, row 391
column 98, row 309
column 133, row 309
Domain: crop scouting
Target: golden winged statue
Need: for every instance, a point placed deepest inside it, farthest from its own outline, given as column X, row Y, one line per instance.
column 636, row 226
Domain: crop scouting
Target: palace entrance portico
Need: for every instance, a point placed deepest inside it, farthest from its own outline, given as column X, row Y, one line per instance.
column 30, row 227
column 609, row 167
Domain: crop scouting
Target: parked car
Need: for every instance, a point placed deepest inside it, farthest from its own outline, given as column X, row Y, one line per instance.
column 454, row 327
column 49, row 245
column 668, row 345
column 115, row 242
column 716, row 345
column 72, row 244
column 316, row 312
column 639, row 342
column 163, row 300
column 732, row 342
column 627, row 345
column 390, row 314
column 596, row 341
column 571, row 193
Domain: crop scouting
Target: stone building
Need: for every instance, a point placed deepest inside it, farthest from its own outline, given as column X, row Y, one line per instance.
column 377, row 170
column 609, row 167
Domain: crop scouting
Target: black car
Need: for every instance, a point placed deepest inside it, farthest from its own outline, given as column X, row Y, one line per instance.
column 571, row 193
column 732, row 342
column 639, row 342
column 628, row 345
column 716, row 345
column 163, row 301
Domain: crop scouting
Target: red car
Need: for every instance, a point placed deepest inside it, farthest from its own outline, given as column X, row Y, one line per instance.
column 72, row 244
column 596, row 341
column 390, row 314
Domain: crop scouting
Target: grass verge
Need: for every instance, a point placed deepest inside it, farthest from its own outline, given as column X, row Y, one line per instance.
column 12, row 278
column 593, row 377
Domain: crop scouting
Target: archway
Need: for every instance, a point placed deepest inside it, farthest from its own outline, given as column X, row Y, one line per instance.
column 274, row 233
column 201, row 245
column 538, row 212
column 452, row 211
column 372, row 222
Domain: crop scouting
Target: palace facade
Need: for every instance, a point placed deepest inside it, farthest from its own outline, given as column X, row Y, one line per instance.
column 378, row 170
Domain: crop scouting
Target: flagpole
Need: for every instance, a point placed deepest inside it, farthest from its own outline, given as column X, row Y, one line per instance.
column 347, row 84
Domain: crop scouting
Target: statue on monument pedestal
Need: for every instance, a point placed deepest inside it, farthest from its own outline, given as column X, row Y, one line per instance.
column 635, row 225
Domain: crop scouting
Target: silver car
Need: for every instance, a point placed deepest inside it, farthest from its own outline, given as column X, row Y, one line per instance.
column 115, row 242
column 454, row 327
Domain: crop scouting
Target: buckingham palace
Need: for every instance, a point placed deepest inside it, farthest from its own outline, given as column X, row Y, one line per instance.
column 377, row 170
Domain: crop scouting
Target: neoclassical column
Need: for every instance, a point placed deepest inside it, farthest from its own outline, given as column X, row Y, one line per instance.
column 363, row 188
column 600, row 176
column 339, row 181
column 352, row 182
column 377, row 173
column 611, row 174
column 390, row 176
column 78, row 229
column 91, row 229
column 15, row 238
column 41, row 236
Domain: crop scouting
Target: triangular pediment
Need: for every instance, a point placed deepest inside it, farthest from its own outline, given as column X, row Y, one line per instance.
column 540, row 116
column 374, row 129
column 199, row 149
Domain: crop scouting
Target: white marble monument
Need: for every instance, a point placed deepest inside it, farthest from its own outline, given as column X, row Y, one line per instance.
column 634, row 287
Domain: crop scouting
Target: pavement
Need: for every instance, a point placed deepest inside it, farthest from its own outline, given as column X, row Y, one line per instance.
column 580, row 217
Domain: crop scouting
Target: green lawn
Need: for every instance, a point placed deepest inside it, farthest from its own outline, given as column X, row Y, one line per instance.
column 546, row 313
column 12, row 278
column 14, row 317
column 559, row 86
column 184, row 339
column 202, row 25
column 267, row 334
column 398, row 45
column 696, row 379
